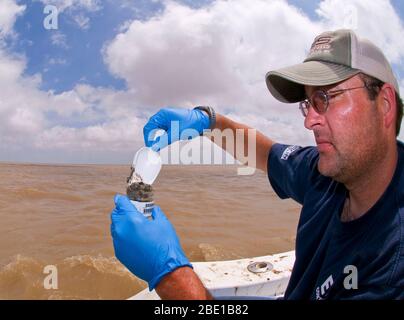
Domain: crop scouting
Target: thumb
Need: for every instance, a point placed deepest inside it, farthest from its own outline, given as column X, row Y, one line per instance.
column 123, row 204
column 162, row 141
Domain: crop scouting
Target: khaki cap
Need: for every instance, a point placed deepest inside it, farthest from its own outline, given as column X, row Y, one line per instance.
column 334, row 56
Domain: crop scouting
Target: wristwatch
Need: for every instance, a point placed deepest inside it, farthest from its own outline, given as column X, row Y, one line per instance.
column 211, row 112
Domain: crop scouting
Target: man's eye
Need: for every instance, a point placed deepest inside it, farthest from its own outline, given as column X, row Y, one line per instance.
column 334, row 96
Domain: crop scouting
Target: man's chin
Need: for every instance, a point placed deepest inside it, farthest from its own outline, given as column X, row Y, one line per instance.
column 327, row 168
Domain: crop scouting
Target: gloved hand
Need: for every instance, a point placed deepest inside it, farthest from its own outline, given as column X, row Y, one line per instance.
column 148, row 248
column 194, row 119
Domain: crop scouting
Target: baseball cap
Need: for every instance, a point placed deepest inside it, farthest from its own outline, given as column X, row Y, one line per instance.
column 334, row 56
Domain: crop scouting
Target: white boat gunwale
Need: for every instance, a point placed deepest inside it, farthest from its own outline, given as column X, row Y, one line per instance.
column 232, row 277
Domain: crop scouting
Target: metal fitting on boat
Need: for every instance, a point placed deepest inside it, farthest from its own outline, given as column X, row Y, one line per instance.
column 260, row 267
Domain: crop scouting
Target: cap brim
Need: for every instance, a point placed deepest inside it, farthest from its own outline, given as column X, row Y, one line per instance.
column 287, row 84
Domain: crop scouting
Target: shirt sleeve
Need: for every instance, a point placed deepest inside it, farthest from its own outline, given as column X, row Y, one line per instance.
column 292, row 170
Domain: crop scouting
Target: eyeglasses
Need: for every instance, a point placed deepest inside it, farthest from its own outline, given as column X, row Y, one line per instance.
column 319, row 100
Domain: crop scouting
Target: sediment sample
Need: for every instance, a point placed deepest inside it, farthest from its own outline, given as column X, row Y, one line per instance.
column 137, row 190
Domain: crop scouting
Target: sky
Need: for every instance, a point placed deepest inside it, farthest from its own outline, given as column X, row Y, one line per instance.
column 82, row 91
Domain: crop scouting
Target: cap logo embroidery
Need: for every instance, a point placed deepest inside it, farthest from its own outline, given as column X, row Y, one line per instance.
column 321, row 45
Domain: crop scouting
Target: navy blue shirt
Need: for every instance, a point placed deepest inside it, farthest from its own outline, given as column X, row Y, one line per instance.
column 360, row 259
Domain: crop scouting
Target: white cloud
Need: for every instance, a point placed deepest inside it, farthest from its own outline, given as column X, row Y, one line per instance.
column 21, row 111
column 83, row 122
column 8, row 14
column 82, row 21
column 375, row 20
column 215, row 55
column 219, row 54
column 71, row 126
column 59, row 39
column 55, row 61
column 116, row 135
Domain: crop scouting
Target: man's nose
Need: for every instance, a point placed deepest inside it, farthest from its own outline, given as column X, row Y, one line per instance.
column 313, row 118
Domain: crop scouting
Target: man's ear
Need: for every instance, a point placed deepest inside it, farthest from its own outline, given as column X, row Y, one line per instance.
column 387, row 98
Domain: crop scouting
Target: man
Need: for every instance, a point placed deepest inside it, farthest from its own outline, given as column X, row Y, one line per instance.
column 351, row 185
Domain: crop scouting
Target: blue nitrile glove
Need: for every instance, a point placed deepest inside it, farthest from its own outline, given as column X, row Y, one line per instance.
column 148, row 248
column 194, row 119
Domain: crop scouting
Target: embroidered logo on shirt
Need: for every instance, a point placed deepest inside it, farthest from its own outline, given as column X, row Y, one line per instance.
column 288, row 151
column 321, row 292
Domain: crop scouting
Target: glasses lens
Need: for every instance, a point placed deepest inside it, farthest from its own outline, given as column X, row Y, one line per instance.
column 319, row 101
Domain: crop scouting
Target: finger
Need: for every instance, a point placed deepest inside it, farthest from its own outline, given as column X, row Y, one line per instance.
column 155, row 136
column 161, row 141
column 156, row 145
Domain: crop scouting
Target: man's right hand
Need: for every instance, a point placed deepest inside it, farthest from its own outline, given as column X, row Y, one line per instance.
column 179, row 119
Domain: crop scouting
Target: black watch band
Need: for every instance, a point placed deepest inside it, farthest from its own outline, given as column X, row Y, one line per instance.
column 212, row 114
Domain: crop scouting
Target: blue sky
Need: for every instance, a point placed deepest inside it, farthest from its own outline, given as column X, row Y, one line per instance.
column 83, row 92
